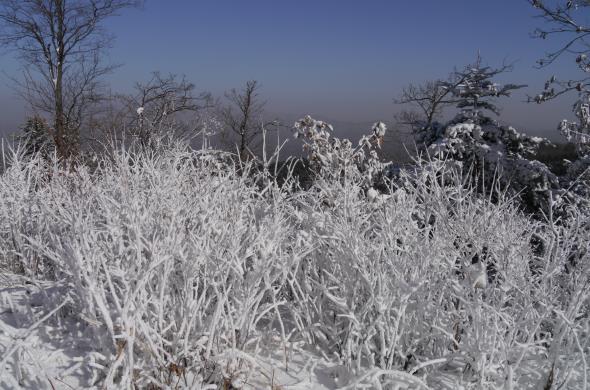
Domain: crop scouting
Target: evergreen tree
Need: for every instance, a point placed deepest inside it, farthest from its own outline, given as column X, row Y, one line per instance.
column 477, row 142
column 35, row 137
column 476, row 93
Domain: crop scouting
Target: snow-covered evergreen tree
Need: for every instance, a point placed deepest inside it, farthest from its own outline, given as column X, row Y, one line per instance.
column 35, row 137
column 481, row 144
column 476, row 91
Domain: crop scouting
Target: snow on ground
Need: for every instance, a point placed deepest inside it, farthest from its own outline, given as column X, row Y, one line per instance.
column 60, row 355
column 37, row 352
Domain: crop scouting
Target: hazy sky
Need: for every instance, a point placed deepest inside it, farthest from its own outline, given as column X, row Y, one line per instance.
column 336, row 59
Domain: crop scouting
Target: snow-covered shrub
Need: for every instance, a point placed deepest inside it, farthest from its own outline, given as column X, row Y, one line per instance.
column 421, row 279
column 494, row 151
column 575, row 183
column 438, row 259
column 155, row 271
column 332, row 158
column 174, row 269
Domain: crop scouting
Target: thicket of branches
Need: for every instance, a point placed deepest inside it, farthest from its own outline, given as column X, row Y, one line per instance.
column 182, row 271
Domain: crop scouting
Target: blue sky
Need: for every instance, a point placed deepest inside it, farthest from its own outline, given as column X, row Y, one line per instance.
column 336, row 59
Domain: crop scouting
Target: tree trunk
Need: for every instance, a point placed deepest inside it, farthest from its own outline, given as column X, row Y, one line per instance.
column 65, row 137
column 242, row 150
column 59, row 120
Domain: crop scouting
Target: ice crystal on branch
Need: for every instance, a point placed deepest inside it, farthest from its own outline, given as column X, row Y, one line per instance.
column 338, row 158
column 567, row 19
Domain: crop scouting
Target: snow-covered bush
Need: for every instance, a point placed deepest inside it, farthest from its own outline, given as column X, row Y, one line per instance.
column 173, row 269
column 335, row 159
column 421, row 279
column 151, row 265
column 492, row 152
column 575, row 184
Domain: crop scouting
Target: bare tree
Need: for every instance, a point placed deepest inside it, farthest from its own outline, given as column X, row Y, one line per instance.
column 242, row 117
column 429, row 98
column 427, row 101
column 155, row 107
column 563, row 18
column 60, row 43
